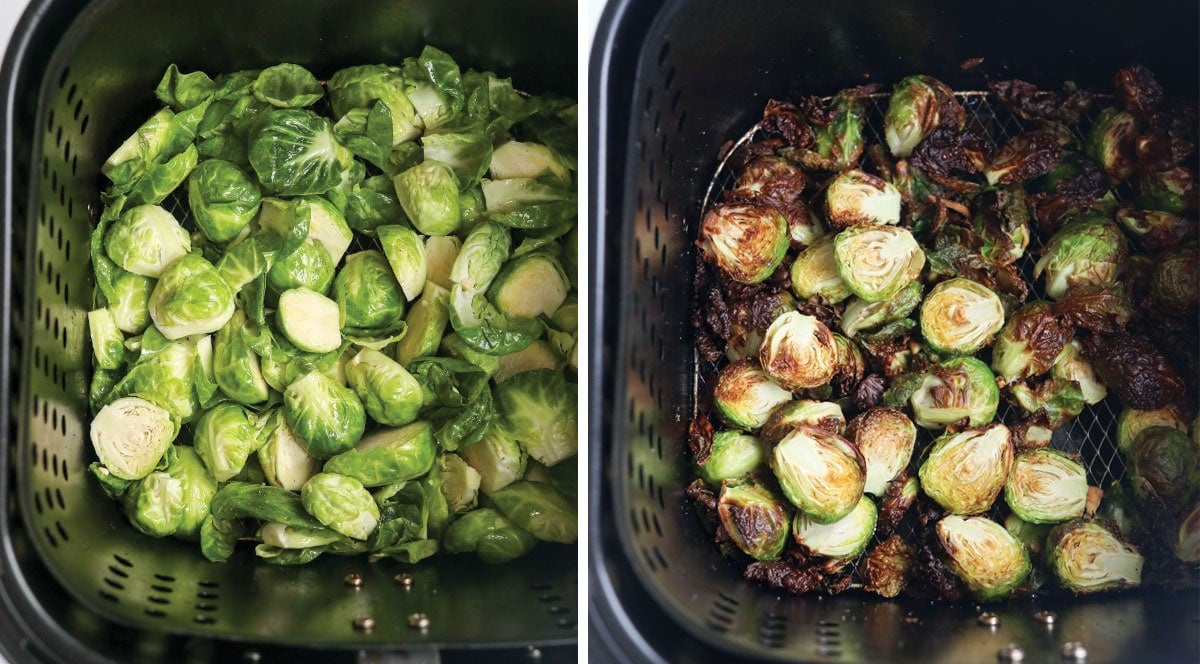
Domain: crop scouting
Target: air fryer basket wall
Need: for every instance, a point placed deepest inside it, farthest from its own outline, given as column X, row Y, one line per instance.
column 672, row 83
column 79, row 78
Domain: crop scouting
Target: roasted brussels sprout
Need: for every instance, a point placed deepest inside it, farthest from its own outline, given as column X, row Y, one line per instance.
column 842, row 540
column 887, row 566
column 821, row 473
column 824, row 415
column 1165, row 466
column 130, row 435
column 964, row 472
column 918, row 105
column 1172, row 190
column 984, row 555
column 815, row 273
column 798, row 351
column 191, row 298
column 756, row 520
column 1023, row 157
column 840, row 143
column 958, row 388
column 734, row 454
column 1176, row 285
column 145, row 240
column 1112, row 142
column 773, row 179
column 1029, row 343
column 1046, row 486
column 1052, row 402
column 861, row 315
column 886, row 438
column 855, row 198
column 746, row 240
column 1187, row 542
column 1087, row 250
column 1087, row 557
column 1156, row 230
column 875, row 262
column 745, row 395
column 1132, row 422
column 341, row 503
column 1072, row 366
column 960, row 316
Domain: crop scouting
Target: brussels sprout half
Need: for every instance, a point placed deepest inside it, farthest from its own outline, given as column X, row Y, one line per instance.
column 309, row 320
column 537, row 409
column 961, row 387
column 960, row 316
column 734, row 455
column 191, row 298
column 1087, row 557
column 326, row 417
column 984, row 555
column 145, row 240
column 1070, row 365
column 530, row 286
column 223, row 199
column 1132, row 422
column 294, row 153
column 225, row 438
column 824, row 415
column 822, row 474
column 389, row 393
column 387, row 456
column 285, row 462
column 746, row 240
column 876, row 262
column 855, row 198
column 798, row 351
column 745, row 395
column 497, row 458
column 428, row 192
column 843, row 539
column 917, row 106
column 860, row 315
column 756, row 520
column 964, row 472
column 130, row 435
column 1046, row 486
column 815, row 273
column 886, row 438
column 341, row 503
column 1029, row 343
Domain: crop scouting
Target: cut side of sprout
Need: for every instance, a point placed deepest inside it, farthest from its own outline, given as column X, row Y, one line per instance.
column 440, row 252
column 877, row 261
column 798, row 351
column 960, row 316
column 309, row 320
column 130, row 435
column 530, row 286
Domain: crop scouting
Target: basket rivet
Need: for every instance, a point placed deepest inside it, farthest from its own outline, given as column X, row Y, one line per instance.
column 1047, row 618
column 252, row 656
column 1011, row 653
column 533, row 653
column 911, row 620
column 988, row 619
column 418, row 621
column 364, row 624
column 1074, row 650
column 354, row 580
column 405, row 580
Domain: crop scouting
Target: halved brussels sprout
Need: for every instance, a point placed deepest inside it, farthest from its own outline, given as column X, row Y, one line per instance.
column 1087, row 557
column 405, row 251
column 131, row 310
column 428, row 192
column 774, row 179
column 223, row 199
column 824, row 415
column 1046, row 486
column 746, row 240
column 294, row 153
column 537, row 409
column 1165, row 466
column 798, row 351
column 517, row 159
column 917, row 106
column 876, row 262
column 341, row 503
column 1087, row 250
column 483, row 253
column 426, row 322
column 530, row 286
column 130, row 435
column 1187, row 543
column 734, row 454
column 745, row 395
column 291, row 537
column 961, row 387
column 984, row 555
column 460, row 483
column 538, row 509
column 855, row 198
column 165, row 376
column 1071, row 365
column 108, row 344
column 815, row 273
column 191, row 298
column 285, row 462
column 1112, row 142
column 964, row 472
column 367, row 293
column 225, row 438
column 843, row 539
column 1132, row 422
column 756, row 520
column 154, row 504
column 361, row 86
column 389, row 393
column 886, row 438
column 861, row 315
column 236, row 367
column 497, row 458
column 1154, row 229
column 1172, row 190
column 326, row 225
column 198, row 489
column 537, row 355
column 960, row 316
column 327, row 417
column 309, row 266
column 309, row 320
column 441, row 251
column 387, row 455
column 145, row 240
column 821, row 473
column 1029, row 342
column 157, row 140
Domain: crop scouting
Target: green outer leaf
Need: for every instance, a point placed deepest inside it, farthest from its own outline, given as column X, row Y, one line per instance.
column 239, row 500
column 538, row 509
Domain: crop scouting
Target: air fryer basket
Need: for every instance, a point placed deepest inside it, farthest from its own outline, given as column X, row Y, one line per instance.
column 79, row 582
column 672, row 83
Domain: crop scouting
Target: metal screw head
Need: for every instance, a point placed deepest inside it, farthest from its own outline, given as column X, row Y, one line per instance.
column 1046, row 618
column 533, row 653
column 1074, row 651
column 354, row 580
column 1011, row 653
column 418, row 621
column 364, row 624
column 252, row 656
column 405, row 580
column 989, row 619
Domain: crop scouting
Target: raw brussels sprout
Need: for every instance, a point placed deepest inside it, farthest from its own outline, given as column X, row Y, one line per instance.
column 1187, row 543
column 165, row 377
column 309, row 320
column 517, row 159
column 1088, row 250
column 326, row 225
column 131, row 302
column 1165, row 466
column 156, row 141
column 454, row 346
column 225, row 438
column 734, row 454
column 466, row 153
column 855, row 198
column 886, row 438
column 530, row 286
column 537, row 355
column 525, row 203
column 223, row 199
column 405, row 252
column 163, row 178
column 460, row 483
column 964, row 472
column 441, row 251
column 198, row 486
column 961, row 387
column 287, row 86
column 745, row 395
column 1172, row 190
column 1175, row 288
column 822, row 474
column 309, row 266
column 537, row 409
column 481, row 257
column 108, row 344
column 798, row 351
column 387, row 455
column 290, row 537
column 341, row 503
column 326, row 417
column 815, row 273
column 497, row 458
column 1029, row 343
column 824, row 415
column 389, row 393
column 876, row 262
column 537, row 509
column 984, row 555
column 426, row 322
column 756, row 520
column 491, row 536
column 918, row 105
column 960, row 316
column 1071, row 366
column 428, row 192
column 145, row 240
column 294, row 153
column 1112, row 142
column 1087, row 557
column 367, row 293
column 861, row 315
column 360, row 87
column 154, row 504
column 285, row 462
column 130, row 436
column 236, row 367
column 746, row 240
column 1046, row 486
column 1132, row 422
column 191, row 298
column 843, row 539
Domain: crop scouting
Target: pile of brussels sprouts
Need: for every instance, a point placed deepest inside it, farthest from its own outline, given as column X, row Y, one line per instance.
column 863, row 309
column 340, row 317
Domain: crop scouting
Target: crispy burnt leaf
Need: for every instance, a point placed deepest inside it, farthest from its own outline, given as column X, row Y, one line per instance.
column 700, row 439
column 784, row 120
column 948, row 149
column 1100, row 309
column 1138, row 90
column 899, row 497
column 787, row 574
column 1028, row 102
column 1023, row 157
column 887, row 567
column 1136, row 370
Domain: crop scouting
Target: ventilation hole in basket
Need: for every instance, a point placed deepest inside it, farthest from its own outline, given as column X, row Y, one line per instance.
column 661, row 502
column 165, row 577
column 204, row 619
column 654, row 523
column 71, row 92
column 828, row 631
column 53, row 186
column 37, row 503
column 829, row 642
column 641, row 474
column 109, row 596
column 162, row 589
column 549, row 597
column 78, row 109
column 206, row 607
column 62, row 196
column 649, row 100
column 49, row 498
column 114, row 584
column 662, row 560
column 204, row 594
column 654, row 286
column 62, row 504
column 556, row 610
column 158, row 600
column 670, row 82
column 663, row 53
column 629, row 463
column 67, row 150
column 75, row 164
column 650, row 480
column 716, row 626
column 565, row 623
column 50, row 537
column 828, row 652
column 118, row 571
column 633, row 521
column 83, row 125
column 58, row 137
column 155, row 613
column 649, row 561
column 645, row 520
column 728, row 599
column 45, row 168
column 45, row 457
column 122, row 561
column 209, row 584
column 66, row 473
column 681, row 121
column 828, row 623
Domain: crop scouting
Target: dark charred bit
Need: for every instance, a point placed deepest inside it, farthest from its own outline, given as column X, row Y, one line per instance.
column 785, row 120
column 970, row 63
column 931, row 577
column 1099, row 309
column 1021, row 430
column 796, row 579
column 1026, row 156
column 869, row 392
column 700, row 439
column 816, row 110
column 947, row 150
column 710, row 313
column 1170, row 140
column 829, row 314
column 764, row 147
column 929, row 513
column 1137, row 371
column 1177, row 337
column 706, row 504
column 1138, row 90
column 887, row 567
column 1028, row 102
column 897, row 499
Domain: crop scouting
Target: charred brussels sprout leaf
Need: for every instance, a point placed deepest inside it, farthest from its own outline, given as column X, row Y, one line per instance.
column 1165, row 466
column 823, row 415
column 1029, row 342
column 855, row 198
column 918, row 105
column 798, row 351
column 756, row 520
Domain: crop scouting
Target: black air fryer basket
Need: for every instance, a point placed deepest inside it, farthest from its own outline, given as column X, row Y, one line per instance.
column 670, row 83
column 77, row 582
